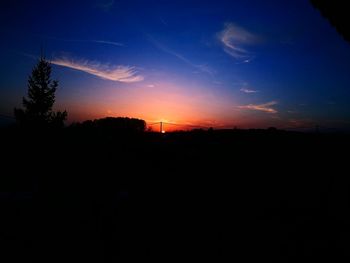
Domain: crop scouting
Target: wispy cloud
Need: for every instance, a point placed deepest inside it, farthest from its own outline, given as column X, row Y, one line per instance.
column 266, row 107
column 163, row 21
column 203, row 67
column 105, row 5
column 151, row 86
column 106, row 42
column 300, row 124
column 246, row 90
column 119, row 73
column 233, row 38
column 29, row 55
column 216, row 82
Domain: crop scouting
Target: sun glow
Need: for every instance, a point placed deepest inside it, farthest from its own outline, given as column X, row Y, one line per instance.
column 178, row 107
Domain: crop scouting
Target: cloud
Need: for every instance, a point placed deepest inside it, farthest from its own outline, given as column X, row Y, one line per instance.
column 233, row 38
column 106, row 42
column 246, row 90
column 266, row 107
column 300, row 124
column 151, row 86
column 216, row 82
column 163, row 21
column 29, row 55
column 105, row 5
column 203, row 68
column 119, row 73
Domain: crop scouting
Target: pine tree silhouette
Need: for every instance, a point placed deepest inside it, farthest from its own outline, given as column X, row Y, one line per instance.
column 37, row 110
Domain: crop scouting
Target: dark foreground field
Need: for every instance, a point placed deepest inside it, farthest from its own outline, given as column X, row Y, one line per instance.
column 218, row 196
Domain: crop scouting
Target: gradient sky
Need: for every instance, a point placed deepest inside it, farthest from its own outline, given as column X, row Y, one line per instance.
column 215, row 63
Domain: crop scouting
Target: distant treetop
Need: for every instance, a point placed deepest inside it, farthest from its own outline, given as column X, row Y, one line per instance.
column 37, row 112
column 115, row 124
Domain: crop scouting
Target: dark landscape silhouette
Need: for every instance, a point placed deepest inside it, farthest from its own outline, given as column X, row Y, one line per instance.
column 83, row 193
column 108, row 190
column 112, row 190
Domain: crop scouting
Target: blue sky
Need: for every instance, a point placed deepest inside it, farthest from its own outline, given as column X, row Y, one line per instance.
column 217, row 63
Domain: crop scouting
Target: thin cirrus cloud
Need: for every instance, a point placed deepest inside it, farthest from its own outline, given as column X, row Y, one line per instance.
column 234, row 39
column 105, row 5
column 246, row 90
column 118, row 73
column 203, row 67
column 108, row 43
column 105, row 42
column 266, row 107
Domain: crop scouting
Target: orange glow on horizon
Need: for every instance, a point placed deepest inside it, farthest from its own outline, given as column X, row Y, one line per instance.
column 179, row 108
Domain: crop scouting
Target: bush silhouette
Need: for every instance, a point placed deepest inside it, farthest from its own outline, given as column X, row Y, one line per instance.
column 37, row 112
column 114, row 125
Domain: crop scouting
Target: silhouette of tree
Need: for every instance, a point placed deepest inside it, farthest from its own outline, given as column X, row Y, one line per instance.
column 37, row 110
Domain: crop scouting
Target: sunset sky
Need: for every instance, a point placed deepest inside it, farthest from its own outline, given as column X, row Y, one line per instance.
column 210, row 63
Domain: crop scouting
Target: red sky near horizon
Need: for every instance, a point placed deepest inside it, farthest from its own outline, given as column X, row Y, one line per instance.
column 168, row 103
column 221, row 64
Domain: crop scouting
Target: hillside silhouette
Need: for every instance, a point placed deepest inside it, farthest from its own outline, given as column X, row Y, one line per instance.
column 112, row 125
column 109, row 190
column 89, row 192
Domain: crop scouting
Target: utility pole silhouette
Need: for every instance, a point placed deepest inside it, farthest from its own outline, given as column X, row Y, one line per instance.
column 161, row 127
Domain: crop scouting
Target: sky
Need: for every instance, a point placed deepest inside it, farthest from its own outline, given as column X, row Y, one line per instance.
column 248, row 64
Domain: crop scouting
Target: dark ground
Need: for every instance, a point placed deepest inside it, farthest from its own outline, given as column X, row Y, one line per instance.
column 217, row 196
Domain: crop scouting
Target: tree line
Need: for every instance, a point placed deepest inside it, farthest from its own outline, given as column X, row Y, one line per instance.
column 38, row 113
